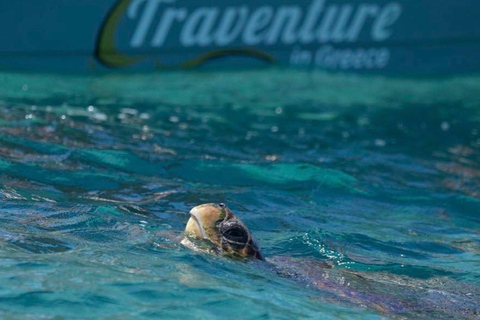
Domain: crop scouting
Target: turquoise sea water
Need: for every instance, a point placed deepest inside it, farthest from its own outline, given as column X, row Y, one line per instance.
column 377, row 177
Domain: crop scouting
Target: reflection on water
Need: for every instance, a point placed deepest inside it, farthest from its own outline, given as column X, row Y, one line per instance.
column 376, row 177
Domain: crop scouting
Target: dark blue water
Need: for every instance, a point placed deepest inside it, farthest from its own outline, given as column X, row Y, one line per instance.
column 364, row 193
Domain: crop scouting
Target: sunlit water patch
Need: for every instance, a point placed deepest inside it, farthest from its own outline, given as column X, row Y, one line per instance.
column 364, row 194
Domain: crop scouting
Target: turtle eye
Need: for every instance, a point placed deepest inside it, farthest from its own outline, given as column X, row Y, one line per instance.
column 234, row 233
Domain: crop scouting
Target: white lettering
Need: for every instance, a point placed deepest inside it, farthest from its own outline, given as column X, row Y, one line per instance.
column 307, row 33
column 387, row 17
column 383, row 58
column 344, row 59
column 289, row 17
column 334, row 24
column 321, row 53
column 226, row 33
column 324, row 31
column 363, row 13
column 145, row 20
column 170, row 15
column 258, row 22
column 339, row 32
column 300, row 57
column 285, row 24
column 198, row 27
column 368, row 61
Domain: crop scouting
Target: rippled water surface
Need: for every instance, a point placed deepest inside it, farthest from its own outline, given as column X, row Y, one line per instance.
column 364, row 193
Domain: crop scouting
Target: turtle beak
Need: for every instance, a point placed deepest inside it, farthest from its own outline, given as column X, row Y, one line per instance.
column 203, row 221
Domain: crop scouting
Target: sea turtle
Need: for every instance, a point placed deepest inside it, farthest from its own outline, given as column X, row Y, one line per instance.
column 213, row 228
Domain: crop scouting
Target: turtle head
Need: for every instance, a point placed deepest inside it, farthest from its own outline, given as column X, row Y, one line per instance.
column 218, row 228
